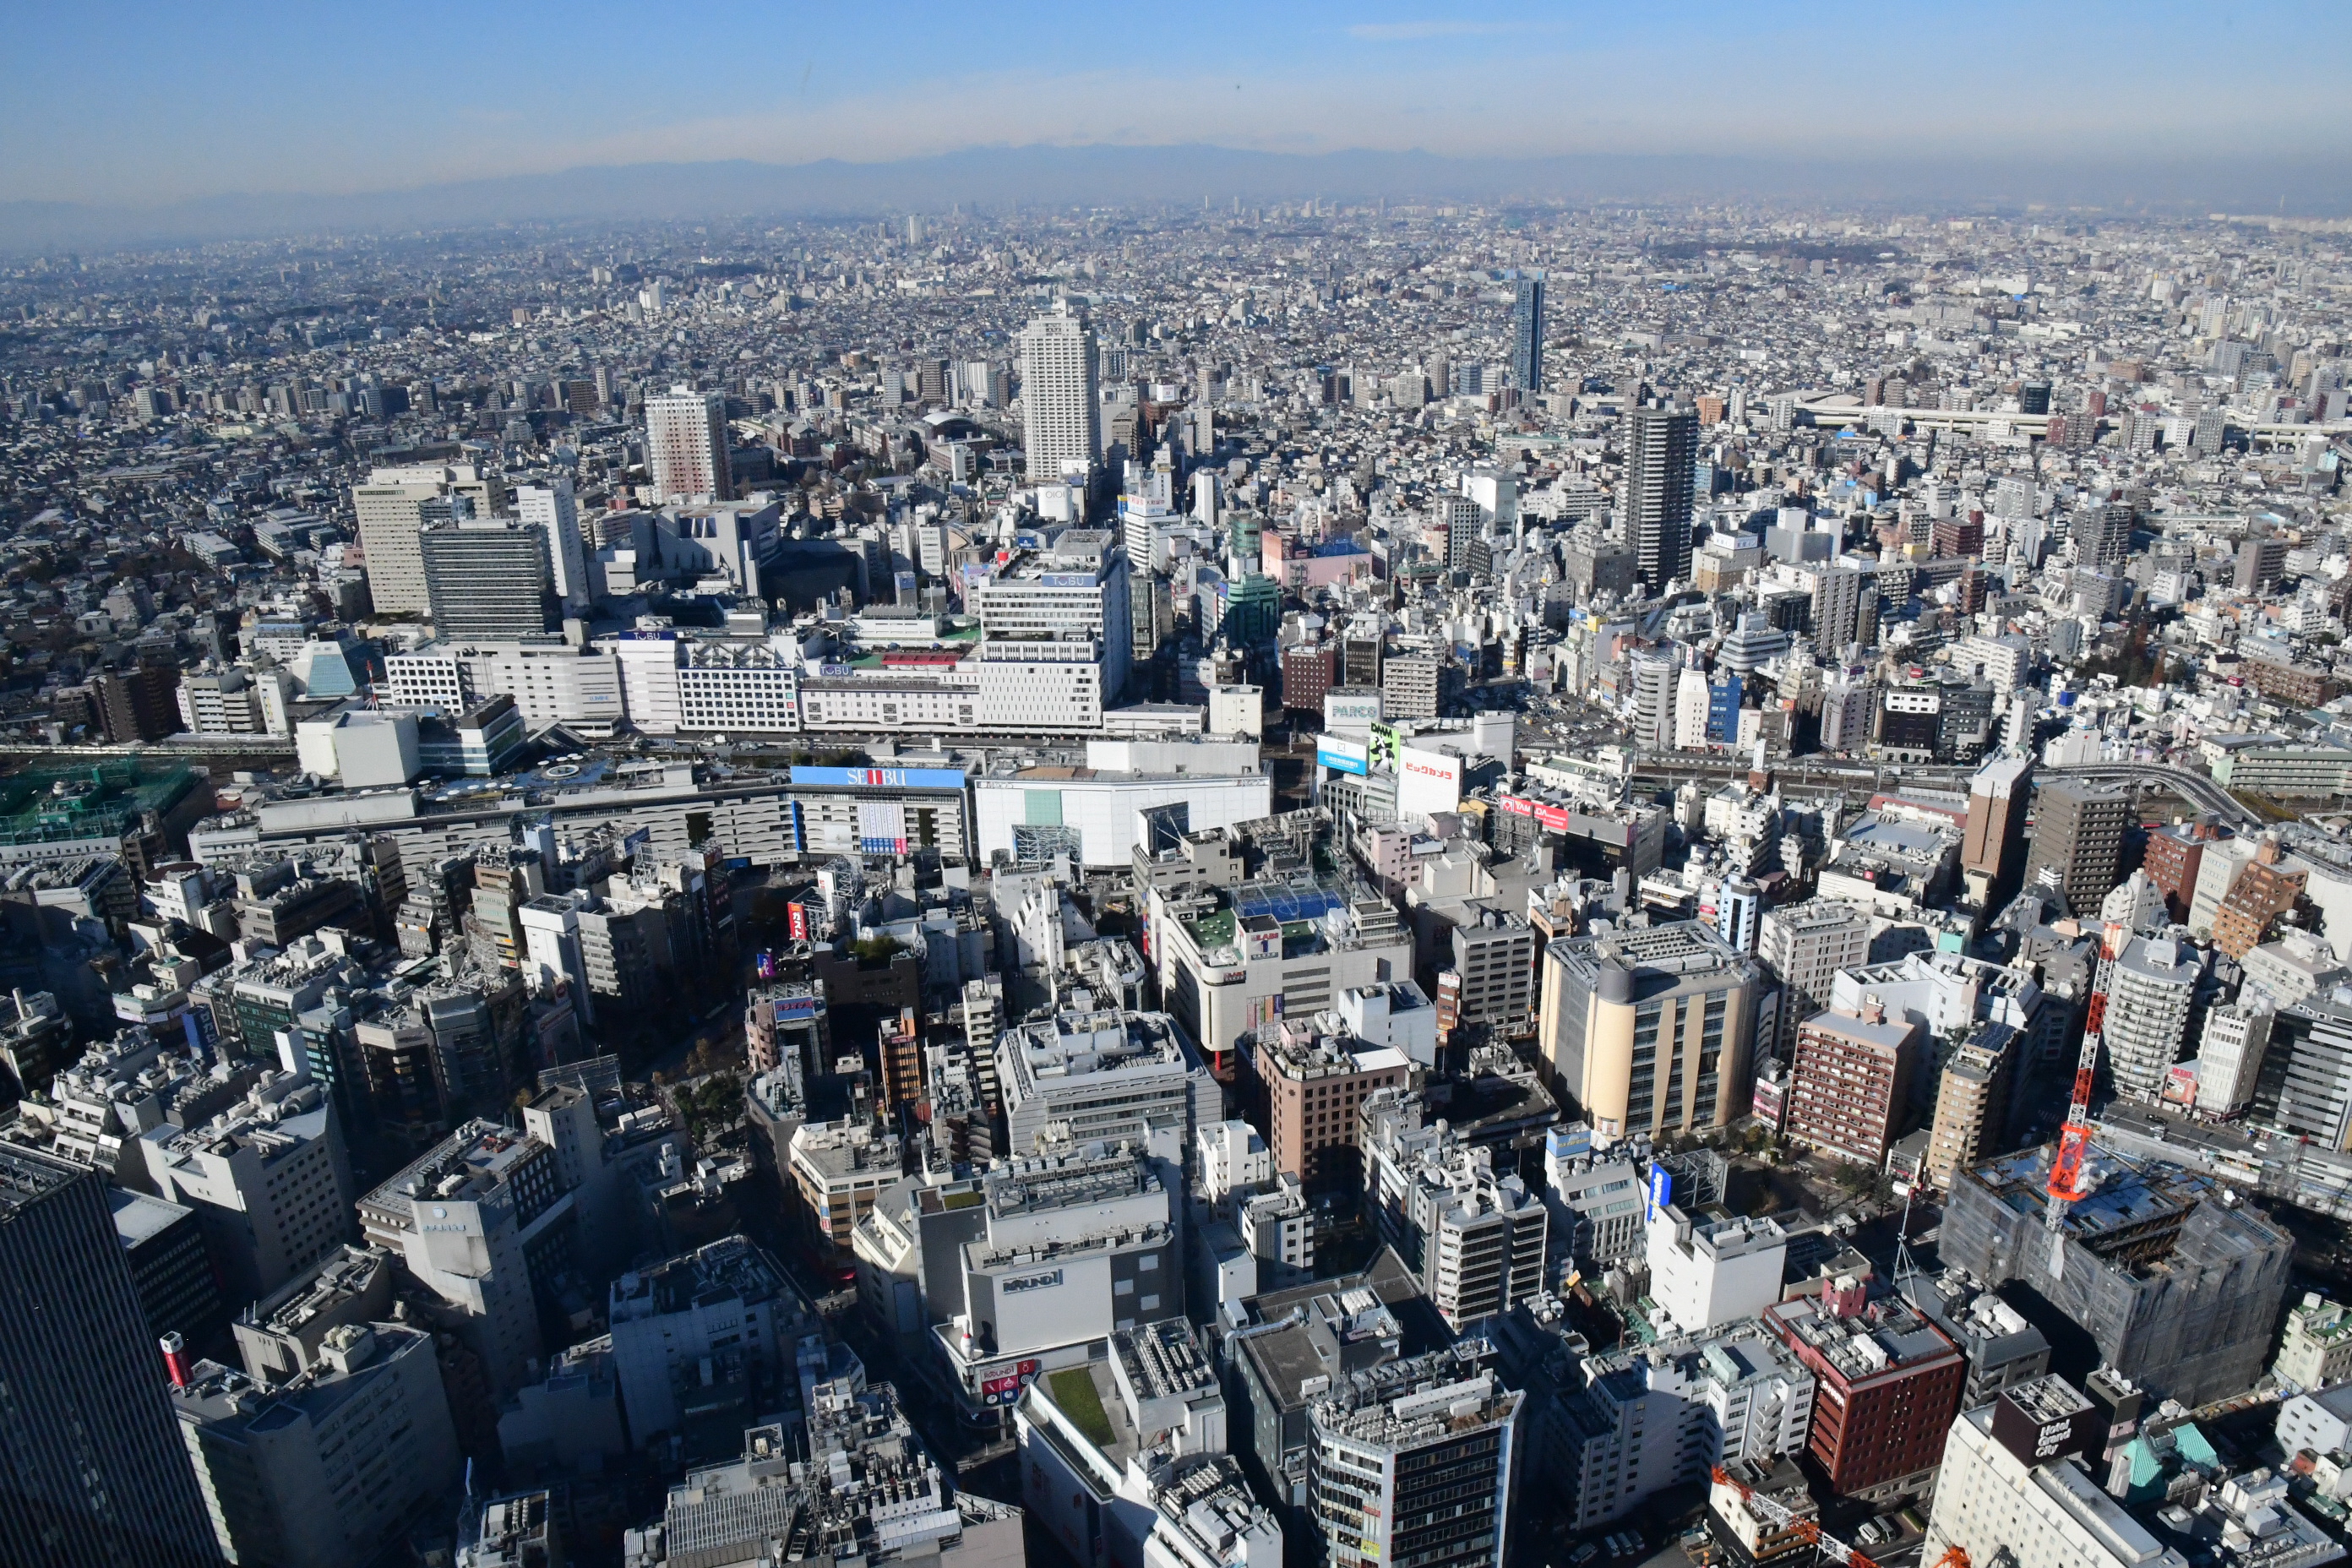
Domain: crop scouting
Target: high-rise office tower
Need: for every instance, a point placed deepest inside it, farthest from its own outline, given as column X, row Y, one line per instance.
column 1060, row 414
column 1527, row 331
column 685, row 445
column 1661, row 455
column 550, row 508
column 390, row 516
column 1996, row 828
column 489, row 579
column 2079, row 831
column 393, row 508
column 92, row 1472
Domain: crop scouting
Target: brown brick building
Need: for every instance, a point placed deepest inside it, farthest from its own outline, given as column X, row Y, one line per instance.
column 1309, row 1089
column 2262, row 891
column 2174, row 856
column 1851, row 1083
column 1889, row 1383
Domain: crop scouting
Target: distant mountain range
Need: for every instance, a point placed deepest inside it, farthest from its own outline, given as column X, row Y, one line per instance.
column 997, row 178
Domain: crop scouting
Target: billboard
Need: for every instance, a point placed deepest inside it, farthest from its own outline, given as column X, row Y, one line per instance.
column 1346, row 756
column 797, row 912
column 1003, row 1384
column 1662, row 1187
column 1514, row 806
column 1427, row 782
column 881, row 778
column 881, row 827
column 1385, row 742
column 1067, row 579
column 1351, row 712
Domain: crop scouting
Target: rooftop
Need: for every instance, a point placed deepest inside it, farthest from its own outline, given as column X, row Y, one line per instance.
column 729, row 1268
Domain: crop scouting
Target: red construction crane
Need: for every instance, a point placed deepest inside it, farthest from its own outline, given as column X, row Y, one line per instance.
column 1812, row 1533
column 2066, row 1167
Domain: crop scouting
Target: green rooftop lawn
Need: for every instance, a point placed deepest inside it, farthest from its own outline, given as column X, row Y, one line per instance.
column 1073, row 1390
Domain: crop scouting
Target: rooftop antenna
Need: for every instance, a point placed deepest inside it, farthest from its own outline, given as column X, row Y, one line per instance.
column 1906, row 1267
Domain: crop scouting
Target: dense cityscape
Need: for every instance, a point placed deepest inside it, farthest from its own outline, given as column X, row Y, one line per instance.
column 1151, row 887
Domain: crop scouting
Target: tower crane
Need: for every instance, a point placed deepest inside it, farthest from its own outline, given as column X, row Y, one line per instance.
column 1812, row 1533
column 2067, row 1173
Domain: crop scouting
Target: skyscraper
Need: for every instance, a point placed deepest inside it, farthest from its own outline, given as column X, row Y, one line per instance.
column 1527, row 331
column 1060, row 414
column 550, row 508
column 92, row 1471
column 489, row 579
column 685, row 445
column 1661, row 453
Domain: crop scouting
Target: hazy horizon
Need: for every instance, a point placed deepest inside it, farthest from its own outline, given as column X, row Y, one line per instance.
column 996, row 179
column 183, row 116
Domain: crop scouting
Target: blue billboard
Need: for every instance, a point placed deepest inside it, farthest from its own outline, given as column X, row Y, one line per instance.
column 1662, row 1187
column 1346, row 756
column 881, row 778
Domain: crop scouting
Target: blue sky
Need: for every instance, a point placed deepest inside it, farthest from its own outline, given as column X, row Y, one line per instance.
column 150, row 102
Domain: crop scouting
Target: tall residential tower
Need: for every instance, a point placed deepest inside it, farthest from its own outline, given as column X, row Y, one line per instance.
column 1060, row 411
column 1660, row 458
column 685, row 445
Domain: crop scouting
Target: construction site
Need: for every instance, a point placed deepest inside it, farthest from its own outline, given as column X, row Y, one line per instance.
column 2175, row 1276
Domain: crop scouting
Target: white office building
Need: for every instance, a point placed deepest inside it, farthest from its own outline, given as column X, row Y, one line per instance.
column 2013, row 1488
column 1663, row 1415
column 464, row 1216
column 1070, row 1248
column 1034, row 813
column 268, row 1178
column 550, row 508
column 1074, row 590
column 727, row 1303
column 1110, row 1075
column 1706, row 1274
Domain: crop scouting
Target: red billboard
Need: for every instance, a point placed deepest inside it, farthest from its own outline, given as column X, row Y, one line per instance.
column 1006, row 1386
